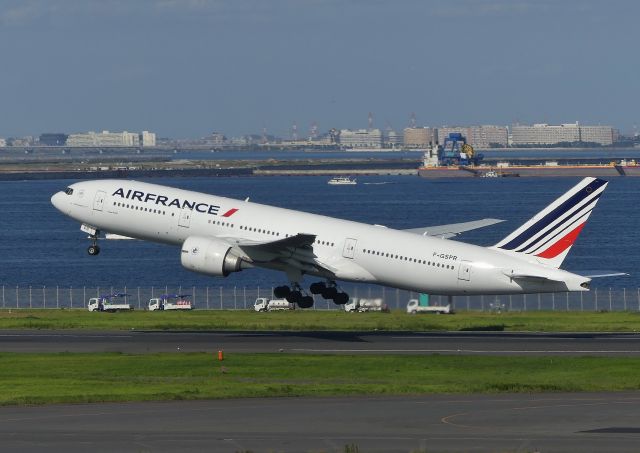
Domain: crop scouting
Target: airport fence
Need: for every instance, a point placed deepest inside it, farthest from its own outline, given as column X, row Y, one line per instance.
column 242, row 298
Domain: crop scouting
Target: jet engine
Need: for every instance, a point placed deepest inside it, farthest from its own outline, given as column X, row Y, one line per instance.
column 209, row 256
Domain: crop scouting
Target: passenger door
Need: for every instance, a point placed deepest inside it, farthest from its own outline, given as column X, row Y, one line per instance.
column 349, row 248
column 464, row 271
column 98, row 200
column 185, row 217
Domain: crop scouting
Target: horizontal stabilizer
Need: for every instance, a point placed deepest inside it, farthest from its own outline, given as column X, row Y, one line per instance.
column 531, row 277
column 600, row 274
column 447, row 231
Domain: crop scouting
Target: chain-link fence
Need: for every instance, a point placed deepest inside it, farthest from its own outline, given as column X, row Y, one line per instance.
column 242, row 298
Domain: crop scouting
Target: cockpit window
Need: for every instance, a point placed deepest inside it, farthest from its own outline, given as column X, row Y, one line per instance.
column 68, row 191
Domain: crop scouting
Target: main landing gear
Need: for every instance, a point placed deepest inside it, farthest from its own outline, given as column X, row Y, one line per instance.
column 294, row 295
column 329, row 290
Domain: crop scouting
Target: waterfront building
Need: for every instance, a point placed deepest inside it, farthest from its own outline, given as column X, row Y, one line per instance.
column 106, row 138
column 419, row 137
column 216, row 139
column 545, row 134
column 603, row 135
column 483, row 136
column 488, row 136
column 392, row 139
column 147, row 138
column 3, row 142
column 361, row 138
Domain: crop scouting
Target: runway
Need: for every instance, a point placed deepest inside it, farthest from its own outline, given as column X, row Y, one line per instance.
column 506, row 422
column 517, row 423
column 496, row 343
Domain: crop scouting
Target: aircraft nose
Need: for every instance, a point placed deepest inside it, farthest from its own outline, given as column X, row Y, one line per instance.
column 56, row 200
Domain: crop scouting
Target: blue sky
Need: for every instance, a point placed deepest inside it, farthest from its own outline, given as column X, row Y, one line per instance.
column 184, row 68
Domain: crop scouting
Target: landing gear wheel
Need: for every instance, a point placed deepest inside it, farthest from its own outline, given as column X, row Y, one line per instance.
column 305, row 302
column 341, row 298
column 329, row 292
column 317, row 287
column 294, row 297
column 93, row 250
column 281, row 292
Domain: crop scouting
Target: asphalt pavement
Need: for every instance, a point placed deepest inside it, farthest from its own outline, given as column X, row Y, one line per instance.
column 593, row 422
column 478, row 343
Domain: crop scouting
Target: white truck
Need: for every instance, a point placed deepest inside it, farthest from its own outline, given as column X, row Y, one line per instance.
column 361, row 305
column 170, row 302
column 413, row 307
column 265, row 304
column 109, row 302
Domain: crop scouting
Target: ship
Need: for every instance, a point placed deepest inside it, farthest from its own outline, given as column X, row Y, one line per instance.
column 435, row 167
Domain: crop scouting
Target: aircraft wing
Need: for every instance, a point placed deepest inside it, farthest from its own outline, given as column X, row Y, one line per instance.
column 294, row 251
column 300, row 240
column 447, row 231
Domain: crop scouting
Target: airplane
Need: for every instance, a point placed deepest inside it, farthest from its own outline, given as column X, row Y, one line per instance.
column 218, row 236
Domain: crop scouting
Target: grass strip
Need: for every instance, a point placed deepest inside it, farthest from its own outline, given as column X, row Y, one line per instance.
column 541, row 321
column 74, row 377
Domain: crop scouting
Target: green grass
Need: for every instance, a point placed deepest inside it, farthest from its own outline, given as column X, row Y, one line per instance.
column 544, row 321
column 72, row 378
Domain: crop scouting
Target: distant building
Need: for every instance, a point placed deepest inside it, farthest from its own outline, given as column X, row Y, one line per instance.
column 3, row 143
column 392, row 139
column 106, row 138
column 488, row 136
column 147, row 138
column 484, row 136
column 361, row 138
column 419, row 137
column 216, row 139
column 53, row 139
column 604, row 135
column 545, row 134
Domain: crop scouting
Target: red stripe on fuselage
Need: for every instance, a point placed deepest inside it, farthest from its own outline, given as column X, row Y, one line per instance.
column 230, row 212
column 563, row 244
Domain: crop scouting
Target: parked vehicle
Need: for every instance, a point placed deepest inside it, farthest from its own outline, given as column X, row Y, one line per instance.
column 109, row 302
column 413, row 307
column 265, row 304
column 362, row 305
column 171, row 302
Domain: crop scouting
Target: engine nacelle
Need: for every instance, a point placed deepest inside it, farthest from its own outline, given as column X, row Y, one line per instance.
column 209, row 256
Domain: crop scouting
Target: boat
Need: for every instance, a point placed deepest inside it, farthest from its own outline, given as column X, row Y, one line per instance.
column 342, row 181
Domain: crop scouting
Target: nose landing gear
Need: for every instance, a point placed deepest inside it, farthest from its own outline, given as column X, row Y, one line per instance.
column 93, row 249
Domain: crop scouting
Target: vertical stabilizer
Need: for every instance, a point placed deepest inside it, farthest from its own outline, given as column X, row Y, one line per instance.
column 549, row 235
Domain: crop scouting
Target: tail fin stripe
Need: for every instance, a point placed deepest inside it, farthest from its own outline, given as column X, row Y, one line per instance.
column 563, row 244
column 557, row 229
column 557, row 212
column 558, row 233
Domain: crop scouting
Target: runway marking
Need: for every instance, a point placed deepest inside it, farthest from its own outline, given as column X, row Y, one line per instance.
column 447, row 420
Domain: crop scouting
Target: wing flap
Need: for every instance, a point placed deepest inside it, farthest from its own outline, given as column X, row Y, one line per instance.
column 293, row 251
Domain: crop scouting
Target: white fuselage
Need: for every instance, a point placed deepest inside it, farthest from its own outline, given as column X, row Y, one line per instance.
column 353, row 251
